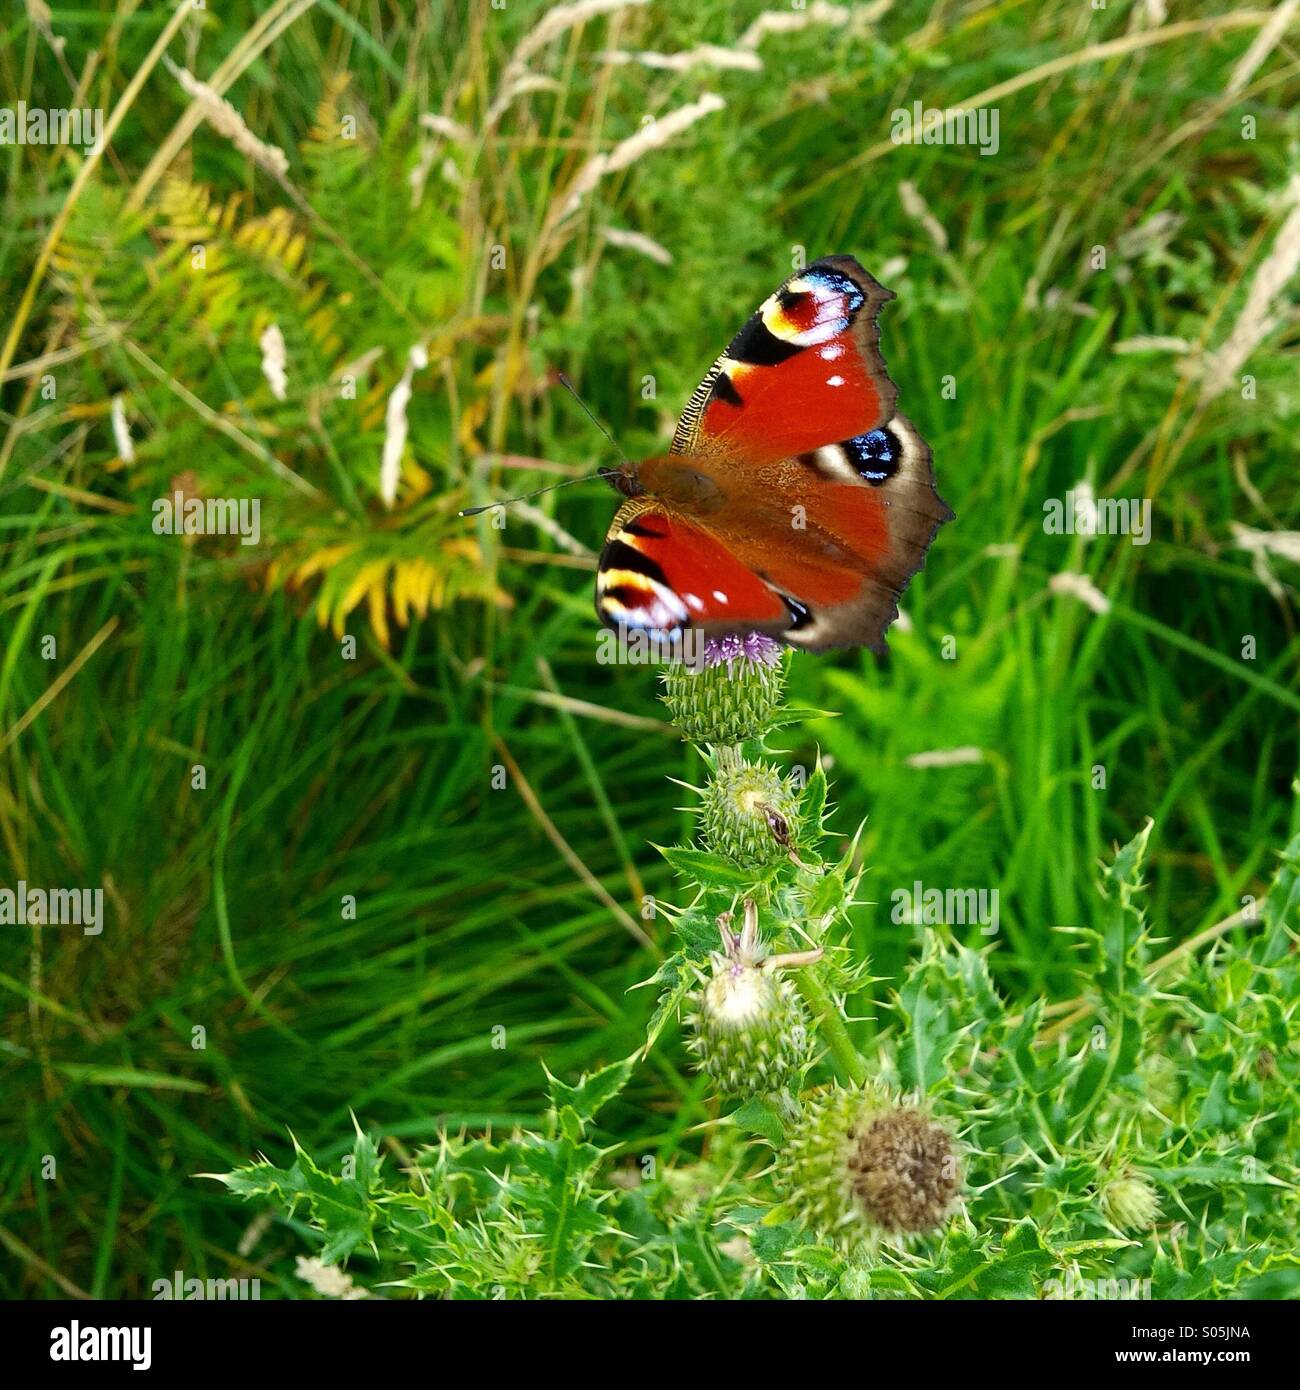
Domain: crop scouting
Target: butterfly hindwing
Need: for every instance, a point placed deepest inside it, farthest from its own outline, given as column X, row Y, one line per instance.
column 876, row 494
column 661, row 571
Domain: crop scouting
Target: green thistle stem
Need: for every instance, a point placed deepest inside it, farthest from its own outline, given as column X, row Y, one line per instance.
column 836, row 1036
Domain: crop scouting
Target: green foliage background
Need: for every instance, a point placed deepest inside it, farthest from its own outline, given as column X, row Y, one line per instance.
column 483, row 909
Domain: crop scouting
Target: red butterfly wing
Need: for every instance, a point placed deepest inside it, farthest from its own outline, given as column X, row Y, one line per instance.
column 663, row 572
column 804, row 371
column 796, row 501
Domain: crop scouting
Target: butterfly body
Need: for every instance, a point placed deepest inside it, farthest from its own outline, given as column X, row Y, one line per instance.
column 795, row 501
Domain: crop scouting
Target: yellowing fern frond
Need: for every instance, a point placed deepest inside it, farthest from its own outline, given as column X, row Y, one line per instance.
column 394, row 589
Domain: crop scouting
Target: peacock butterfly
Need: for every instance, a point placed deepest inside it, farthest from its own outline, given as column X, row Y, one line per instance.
column 795, row 500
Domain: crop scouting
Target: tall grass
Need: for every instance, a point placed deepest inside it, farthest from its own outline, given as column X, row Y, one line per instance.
column 479, row 907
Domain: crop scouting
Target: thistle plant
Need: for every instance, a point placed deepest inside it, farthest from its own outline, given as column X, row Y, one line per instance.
column 733, row 697
column 1130, row 1202
column 854, row 1163
column 974, row 1150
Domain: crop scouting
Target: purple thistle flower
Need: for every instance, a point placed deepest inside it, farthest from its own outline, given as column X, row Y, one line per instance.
column 728, row 690
column 754, row 647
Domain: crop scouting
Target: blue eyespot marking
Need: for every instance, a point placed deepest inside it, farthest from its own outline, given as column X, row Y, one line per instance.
column 876, row 455
column 839, row 283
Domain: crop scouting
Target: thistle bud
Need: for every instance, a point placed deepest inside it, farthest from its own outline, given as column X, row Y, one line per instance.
column 750, row 814
column 858, row 1166
column 733, row 696
column 1130, row 1202
column 751, row 1033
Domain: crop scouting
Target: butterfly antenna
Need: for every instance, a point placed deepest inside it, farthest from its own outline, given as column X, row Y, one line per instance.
column 590, row 414
column 586, row 477
column 524, row 496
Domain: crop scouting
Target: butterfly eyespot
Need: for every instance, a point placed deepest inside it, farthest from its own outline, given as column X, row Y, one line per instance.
column 620, row 556
column 799, row 615
column 876, row 455
column 757, row 345
column 834, row 282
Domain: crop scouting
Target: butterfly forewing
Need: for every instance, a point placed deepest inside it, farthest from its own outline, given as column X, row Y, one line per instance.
column 805, row 370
